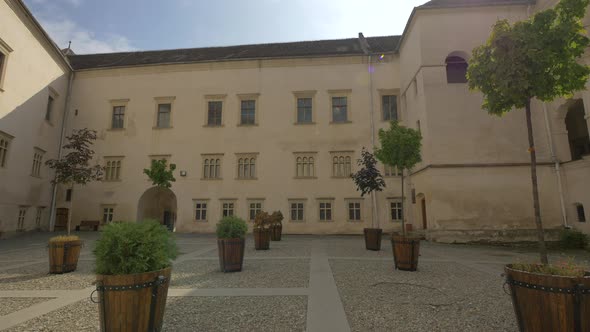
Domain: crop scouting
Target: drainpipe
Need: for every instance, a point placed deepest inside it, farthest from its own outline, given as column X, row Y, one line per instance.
column 59, row 151
column 556, row 165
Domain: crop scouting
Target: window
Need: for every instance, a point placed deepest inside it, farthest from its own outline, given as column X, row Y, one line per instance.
column 325, row 210
column 254, row 207
column 418, row 127
column 37, row 162
column 297, row 208
column 107, row 214
column 304, row 165
column 5, row 140
column 389, row 107
column 577, row 130
column 39, row 216
column 69, row 195
column 248, row 112
column 22, row 212
column 580, row 212
column 201, row 210
column 341, row 164
column 246, row 167
column 228, row 208
column 212, row 167
column 214, row 113
column 354, row 210
column 118, row 117
column 456, row 69
column 112, row 170
column 391, row 171
column 339, row 109
column 304, row 110
column 396, row 212
column 164, row 112
column 49, row 110
column 4, row 51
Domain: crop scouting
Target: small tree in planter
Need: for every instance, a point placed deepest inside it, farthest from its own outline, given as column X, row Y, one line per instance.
column 72, row 169
column 368, row 179
column 262, row 231
column 231, row 233
column 400, row 147
column 133, row 265
column 161, row 176
column 537, row 58
column 276, row 225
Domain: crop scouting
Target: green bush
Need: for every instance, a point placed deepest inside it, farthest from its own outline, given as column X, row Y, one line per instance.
column 231, row 228
column 573, row 239
column 134, row 247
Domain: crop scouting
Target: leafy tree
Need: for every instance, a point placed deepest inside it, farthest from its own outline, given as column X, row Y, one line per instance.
column 368, row 179
column 400, row 147
column 74, row 167
column 161, row 176
column 533, row 58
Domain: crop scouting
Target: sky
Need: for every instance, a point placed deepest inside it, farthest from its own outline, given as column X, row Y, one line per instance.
column 103, row 26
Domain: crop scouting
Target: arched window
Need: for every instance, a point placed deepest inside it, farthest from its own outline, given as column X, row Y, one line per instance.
column 240, row 168
column 299, row 166
column 456, row 69
column 577, row 130
column 217, row 168
column 252, row 168
column 347, row 166
column 206, row 168
column 310, row 166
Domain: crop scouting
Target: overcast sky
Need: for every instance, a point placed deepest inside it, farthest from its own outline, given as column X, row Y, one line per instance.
column 99, row 26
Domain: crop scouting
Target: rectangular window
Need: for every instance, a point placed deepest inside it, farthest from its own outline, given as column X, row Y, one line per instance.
column 354, row 211
column 112, row 169
column 214, row 113
column 325, row 211
column 2, row 64
column 339, row 109
column 253, row 209
column 246, row 166
column 5, row 140
column 581, row 213
column 37, row 162
column 107, row 214
column 389, row 106
column 22, row 212
column 212, row 167
column 119, row 117
column 305, row 165
column 200, row 210
column 248, row 112
column 391, row 171
column 396, row 212
column 164, row 112
column 4, row 52
column 38, row 217
column 304, row 110
column 341, row 164
column 228, row 209
column 69, row 195
column 49, row 111
column 297, row 209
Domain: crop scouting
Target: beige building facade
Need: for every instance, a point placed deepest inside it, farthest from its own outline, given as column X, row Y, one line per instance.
column 281, row 126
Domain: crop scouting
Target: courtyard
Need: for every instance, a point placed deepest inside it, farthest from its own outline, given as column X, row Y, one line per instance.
column 313, row 283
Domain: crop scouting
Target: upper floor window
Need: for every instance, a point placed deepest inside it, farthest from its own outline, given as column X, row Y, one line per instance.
column 304, row 110
column 247, row 166
column 456, row 69
column 112, row 170
column 211, row 166
column 391, row 171
column 341, row 164
column 339, row 109
column 577, row 130
column 37, row 162
column 248, row 112
column 214, row 113
column 49, row 110
column 304, row 165
column 4, row 51
column 581, row 213
column 389, row 107
column 164, row 112
column 118, row 117
column 5, row 140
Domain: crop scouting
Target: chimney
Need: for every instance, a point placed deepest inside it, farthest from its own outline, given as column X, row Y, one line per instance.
column 364, row 44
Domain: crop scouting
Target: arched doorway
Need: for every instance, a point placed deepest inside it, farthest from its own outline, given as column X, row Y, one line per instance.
column 158, row 204
column 421, row 200
column 577, row 130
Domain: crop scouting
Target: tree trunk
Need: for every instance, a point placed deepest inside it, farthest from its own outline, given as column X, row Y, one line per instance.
column 69, row 226
column 537, row 208
column 403, row 207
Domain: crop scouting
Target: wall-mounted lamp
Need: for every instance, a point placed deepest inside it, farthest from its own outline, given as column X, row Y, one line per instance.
column 182, row 173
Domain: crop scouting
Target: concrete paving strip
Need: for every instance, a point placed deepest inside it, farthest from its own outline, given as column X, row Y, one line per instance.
column 192, row 254
column 19, row 265
column 21, row 316
column 179, row 292
column 325, row 311
column 209, row 258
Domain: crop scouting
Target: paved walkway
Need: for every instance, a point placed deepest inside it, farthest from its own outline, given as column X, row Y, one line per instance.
column 302, row 283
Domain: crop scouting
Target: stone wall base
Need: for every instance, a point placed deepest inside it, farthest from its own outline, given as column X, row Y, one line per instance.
column 490, row 235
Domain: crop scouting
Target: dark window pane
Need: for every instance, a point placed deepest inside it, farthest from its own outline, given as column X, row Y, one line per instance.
column 214, row 113
column 581, row 213
column 118, row 116
column 389, row 108
column 248, row 114
column 456, row 69
column 49, row 108
column 339, row 109
column 164, row 115
column 304, row 114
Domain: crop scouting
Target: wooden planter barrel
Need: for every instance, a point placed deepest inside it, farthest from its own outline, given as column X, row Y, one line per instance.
column 231, row 254
column 276, row 232
column 373, row 238
column 63, row 256
column 261, row 239
column 549, row 303
column 132, row 302
column 406, row 251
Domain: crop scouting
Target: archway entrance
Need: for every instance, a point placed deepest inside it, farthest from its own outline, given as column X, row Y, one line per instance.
column 158, row 204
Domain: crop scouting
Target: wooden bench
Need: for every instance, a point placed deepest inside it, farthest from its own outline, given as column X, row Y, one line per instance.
column 92, row 224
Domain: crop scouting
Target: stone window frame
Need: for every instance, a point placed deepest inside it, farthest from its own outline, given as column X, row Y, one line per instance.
column 161, row 101
column 201, row 201
column 212, row 98
column 119, row 103
column 248, row 156
column 21, row 217
column 107, row 213
column 300, row 95
column 118, row 168
column 5, row 143
column 324, row 200
column 303, row 202
column 249, row 202
column 305, row 154
column 347, row 158
column 347, row 93
column 223, row 201
column 396, row 200
column 246, row 97
column 5, row 51
column 355, row 200
column 38, row 155
column 389, row 92
column 205, row 157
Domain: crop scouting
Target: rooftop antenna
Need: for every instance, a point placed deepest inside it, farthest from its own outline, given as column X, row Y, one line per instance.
column 69, row 45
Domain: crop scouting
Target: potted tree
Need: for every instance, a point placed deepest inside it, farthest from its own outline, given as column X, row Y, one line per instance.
column 400, row 147
column 133, row 266
column 231, row 233
column 276, row 226
column 71, row 169
column 162, row 177
column 538, row 58
column 368, row 179
column 262, row 231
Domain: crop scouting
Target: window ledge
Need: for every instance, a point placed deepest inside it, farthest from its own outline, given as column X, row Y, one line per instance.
column 248, row 125
column 305, row 177
column 117, row 129
column 36, row 176
column 246, row 179
column 340, row 122
column 325, row 220
column 392, row 176
column 201, row 221
column 211, row 179
column 396, row 221
column 340, row 177
column 303, row 123
column 161, row 128
column 297, row 221
column 213, row 126
column 356, row 221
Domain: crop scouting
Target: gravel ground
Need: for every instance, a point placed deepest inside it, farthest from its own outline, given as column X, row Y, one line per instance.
column 80, row 316
column 439, row 297
column 12, row 304
column 269, row 313
column 289, row 246
column 268, row 273
column 37, row 276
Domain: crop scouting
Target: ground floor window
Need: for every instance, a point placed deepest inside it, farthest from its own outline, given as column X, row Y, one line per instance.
column 38, row 217
column 200, row 211
column 325, row 211
column 581, row 213
column 254, row 209
column 22, row 212
column 395, row 208
column 107, row 214
column 297, row 211
column 228, row 209
column 354, row 211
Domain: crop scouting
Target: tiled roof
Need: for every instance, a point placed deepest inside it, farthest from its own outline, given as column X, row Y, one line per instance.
column 468, row 3
column 334, row 47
